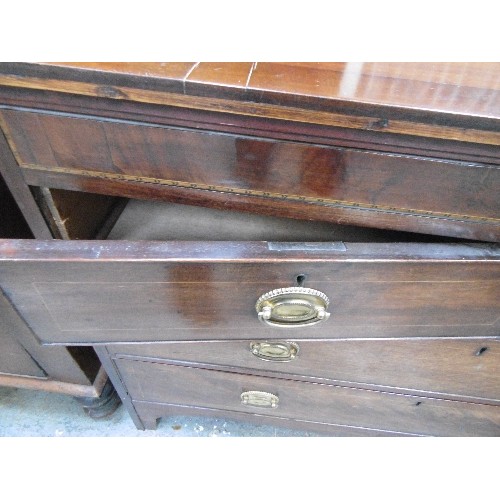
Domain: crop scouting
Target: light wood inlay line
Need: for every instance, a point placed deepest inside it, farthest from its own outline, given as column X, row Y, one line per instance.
column 263, row 194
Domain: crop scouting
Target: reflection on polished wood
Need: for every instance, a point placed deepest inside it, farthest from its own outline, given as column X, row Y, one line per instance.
column 408, row 94
column 370, row 144
column 193, row 161
column 469, row 87
column 160, row 291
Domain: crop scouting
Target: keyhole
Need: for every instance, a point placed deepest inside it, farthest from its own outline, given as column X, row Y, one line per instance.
column 480, row 351
column 300, row 279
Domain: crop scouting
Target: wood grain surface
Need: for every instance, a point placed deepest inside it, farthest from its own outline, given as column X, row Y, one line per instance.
column 406, row 93
column 369, row 137
column 85, row 292
column 21, row 193
column 375, row 184
column 160, row 383
column 448, row 368
column 414, row 127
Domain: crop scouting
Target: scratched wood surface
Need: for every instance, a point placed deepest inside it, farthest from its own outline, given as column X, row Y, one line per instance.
column 444, row 115
column 458, row 101
column 470, row 87
column 89, row 292
column 364, row 184
column 239, row 163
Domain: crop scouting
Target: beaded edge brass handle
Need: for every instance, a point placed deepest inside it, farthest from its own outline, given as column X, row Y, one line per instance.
column 292, row 307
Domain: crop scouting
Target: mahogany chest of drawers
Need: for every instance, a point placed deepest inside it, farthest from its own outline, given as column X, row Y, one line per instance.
column 308, row 251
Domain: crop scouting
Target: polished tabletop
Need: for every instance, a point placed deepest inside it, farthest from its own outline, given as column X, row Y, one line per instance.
column 470, row 88
column 453, row 94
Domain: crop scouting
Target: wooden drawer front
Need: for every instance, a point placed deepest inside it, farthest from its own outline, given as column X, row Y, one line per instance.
column 451, row 367
column 300, row 178
column 160, row 383
column 87, row 292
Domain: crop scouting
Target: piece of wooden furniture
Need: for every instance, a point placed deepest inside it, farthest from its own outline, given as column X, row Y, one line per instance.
column 24, row 363
column 238, row 304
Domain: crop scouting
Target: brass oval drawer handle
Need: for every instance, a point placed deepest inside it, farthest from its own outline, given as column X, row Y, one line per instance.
column 275, row 351
column 259, row 399
column 292, row 307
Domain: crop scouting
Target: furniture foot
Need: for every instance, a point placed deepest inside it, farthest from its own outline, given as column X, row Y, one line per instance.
column 102, row 406
column 150, row 424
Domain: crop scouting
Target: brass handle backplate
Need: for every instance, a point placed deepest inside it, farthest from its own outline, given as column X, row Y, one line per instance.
column 259, row 399
column 274, row 351
column 292, row 307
